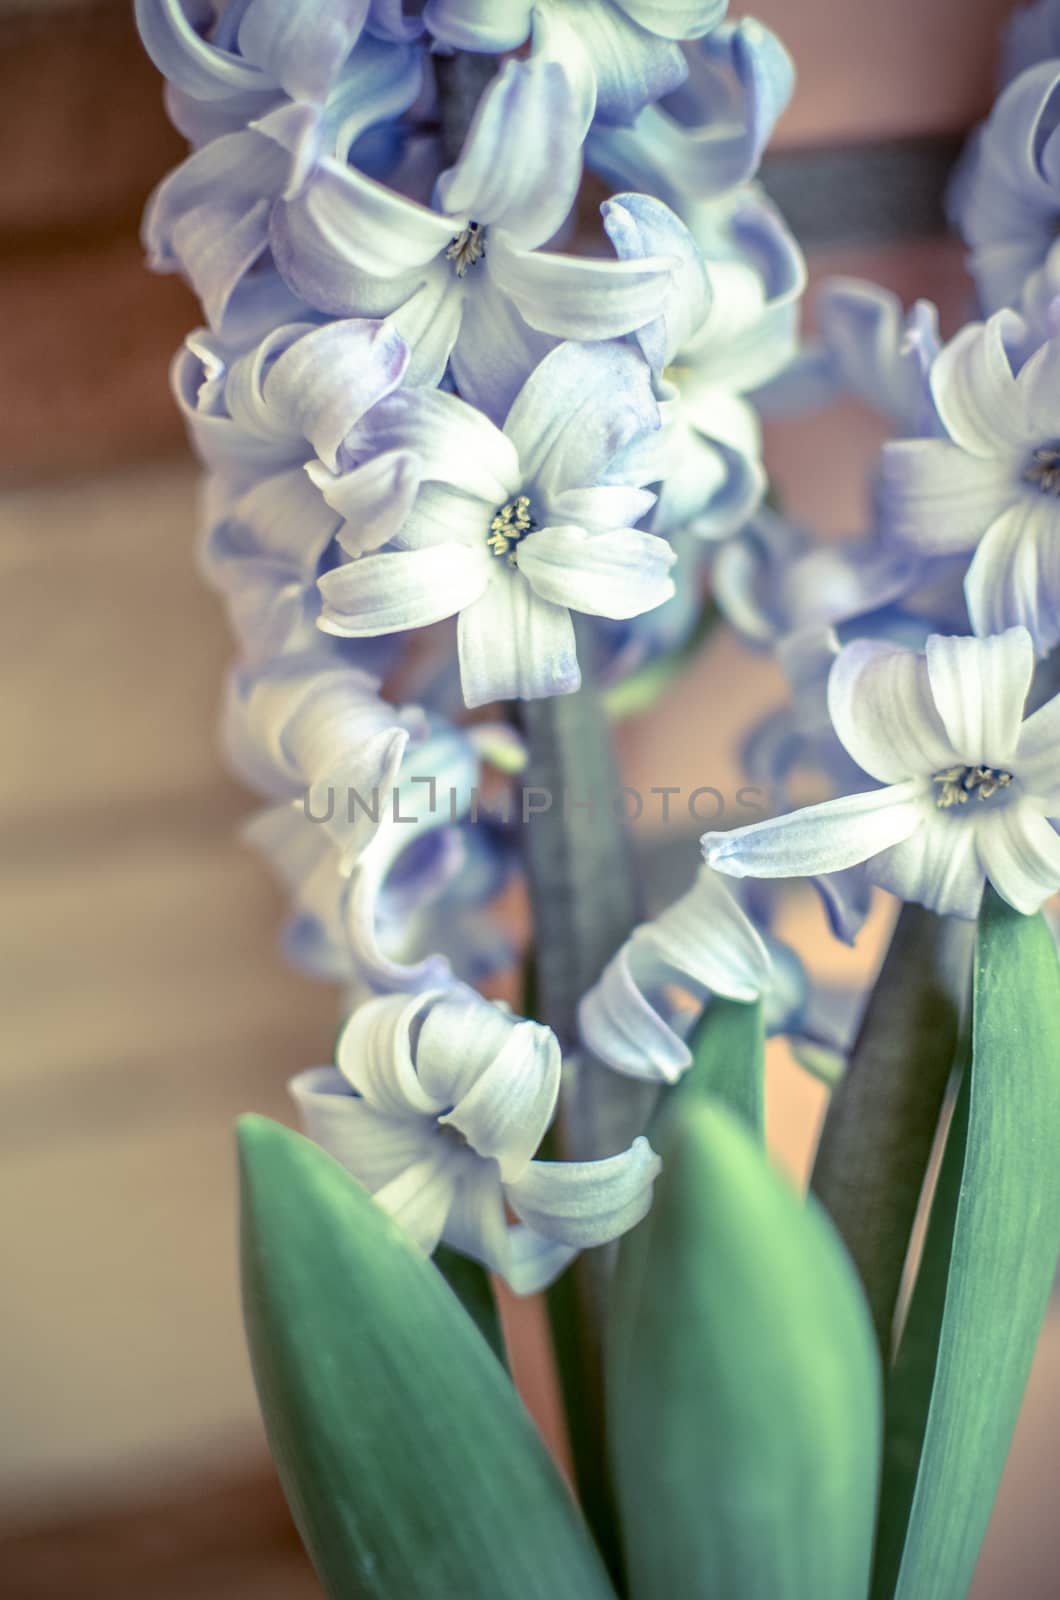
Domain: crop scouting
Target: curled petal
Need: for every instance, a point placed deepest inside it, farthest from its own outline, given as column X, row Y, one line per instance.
column 454, row 444
column 374, row 500
column 587, row 1203
column 421, row 1197
column 633, row 67
column 878, row 353
column 301, row 44
column 479, row 24
column 375, row 1056
column 326, row 380
column 636, row 1017
column 640, row 228
column 342, row 223
column 580, row 297
column 189, row 61
column 210, row 217
column 502, row 1089
column 373, row 1146
column 676, row 19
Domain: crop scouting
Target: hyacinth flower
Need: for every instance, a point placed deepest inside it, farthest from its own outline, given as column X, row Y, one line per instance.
column 632, row 44
column 367, row 830
column 991, row 486
column 209, row 219
column 514, row 529
column 466, row 279
column 1005, row 198
column 263, row 422
column 438, row 1104
column 969, row 786
column 728, row 327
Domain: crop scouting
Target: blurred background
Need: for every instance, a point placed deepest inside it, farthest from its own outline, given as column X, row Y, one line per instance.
column 144, row 997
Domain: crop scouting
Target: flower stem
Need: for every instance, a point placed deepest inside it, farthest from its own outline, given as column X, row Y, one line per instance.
column 585, row 902
column 881, row 1125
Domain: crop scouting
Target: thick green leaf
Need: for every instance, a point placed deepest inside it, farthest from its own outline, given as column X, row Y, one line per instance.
column 409, row 1464
column 883, row 1116
column 728, row 1059
column 743, row 1381
column 987, row 1272
column 471, row 1285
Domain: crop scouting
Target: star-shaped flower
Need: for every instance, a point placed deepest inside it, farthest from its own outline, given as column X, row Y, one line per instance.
column 970, row 787
column 992, row 485
column 465, row 277
column 514, row 529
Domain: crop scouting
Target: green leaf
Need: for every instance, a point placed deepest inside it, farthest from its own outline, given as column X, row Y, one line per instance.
column 728, row 1059
column 883, row 1116
column 987, row 1272
column 471, row 1285
column 409, row 1464
column 743, row 1381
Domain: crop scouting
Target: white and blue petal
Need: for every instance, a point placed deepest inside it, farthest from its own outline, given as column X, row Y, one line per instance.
column 1014, row 576
column 976, row 394
column 937, row 866
column 1020, row 854
column 587, row 1203
column 620, row 573
column 979, row 687
column 521, row 162
column 401, row 589
column 829, row 837
column 881, row 699
column 579, row 411
column 936, row 498
column 513, row 644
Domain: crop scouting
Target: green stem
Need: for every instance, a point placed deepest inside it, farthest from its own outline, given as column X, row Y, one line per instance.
column 584, row 900
column 882, row 1121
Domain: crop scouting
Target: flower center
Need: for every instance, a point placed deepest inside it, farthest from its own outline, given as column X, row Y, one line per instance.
column 957, row 784
column 1043, row 469
column 465, row 248
column 510, row 527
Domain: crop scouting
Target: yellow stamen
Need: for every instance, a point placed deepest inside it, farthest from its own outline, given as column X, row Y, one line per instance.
column 510, row 526
column 957, row 784
column 466, row 248
column 1044, row 469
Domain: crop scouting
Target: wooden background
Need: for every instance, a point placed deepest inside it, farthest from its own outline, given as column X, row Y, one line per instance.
column 144, row 1000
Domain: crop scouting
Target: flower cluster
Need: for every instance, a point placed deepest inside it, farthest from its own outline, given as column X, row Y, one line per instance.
column 911, row 656
column 430, row 388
